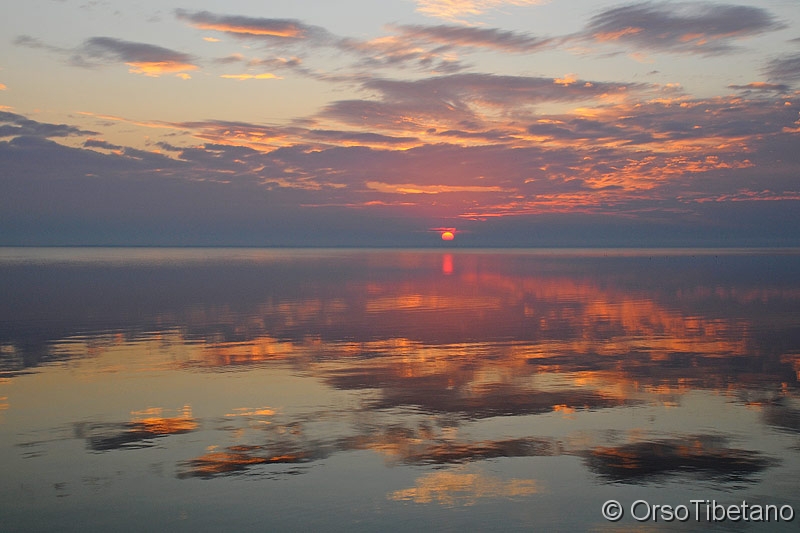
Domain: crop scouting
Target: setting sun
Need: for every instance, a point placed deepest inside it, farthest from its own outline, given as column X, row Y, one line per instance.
column 448, row 236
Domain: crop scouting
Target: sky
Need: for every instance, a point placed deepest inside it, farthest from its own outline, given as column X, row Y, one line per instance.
column 364, row 123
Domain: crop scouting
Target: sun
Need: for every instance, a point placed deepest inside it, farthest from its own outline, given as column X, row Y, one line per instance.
column 447, row 234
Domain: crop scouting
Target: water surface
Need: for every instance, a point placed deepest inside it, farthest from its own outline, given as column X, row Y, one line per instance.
column 394, row 389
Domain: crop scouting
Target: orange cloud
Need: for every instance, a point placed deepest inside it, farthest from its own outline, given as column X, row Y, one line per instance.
column 287, row 31
column 456, row 10
column 142, row 58
column 263, row 76
column 567, row 80
column 246, row 26
column 157, row 68
column 411, row 188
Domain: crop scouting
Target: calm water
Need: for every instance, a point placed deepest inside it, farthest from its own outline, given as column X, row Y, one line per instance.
column 395, row 390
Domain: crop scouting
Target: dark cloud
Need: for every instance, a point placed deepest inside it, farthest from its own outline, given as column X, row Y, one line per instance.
column 487, row 135
column 400, row 53
column 13, row 125
column 228, row 194
column 97, row 143
column 461, row 36
column 271, row 63
column 456, row 99
column 383, row 115
column 758, row 86
column 784, row 69
column 294, row 63
column 700, row 28
column 147, row 58
column 252, row 27
column 681, row 119
column 355, row 137
column 492, row 89
column 168, row 147
column 231, row 59
column 573, row 128
column 671, row 121
column 434, row 48
column 213, row 130
column 142, row 58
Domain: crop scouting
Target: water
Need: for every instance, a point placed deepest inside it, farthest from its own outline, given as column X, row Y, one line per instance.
column 341, row 390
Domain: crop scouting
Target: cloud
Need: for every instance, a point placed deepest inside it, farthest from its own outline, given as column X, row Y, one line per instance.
column 467, row 146
column 263, row 138
column 356, row 138
column 431, row 48
column 460, row 101
column 411, row 188
column 261, row 68
column 460, row 10
column 242, row 77
column 3, row 87
column 630, row 157
column 435, row 48
column 31, row 42
column 493, row 89
column 505, row 41
column 97, row 143
column 398, row 51
column 278, row 62
column 142, row 58
column 784, row 69
column 699, row 28
column 671, row 125
column 762, row 87
column 13, row 125
column 251, row 27
column 384, row 51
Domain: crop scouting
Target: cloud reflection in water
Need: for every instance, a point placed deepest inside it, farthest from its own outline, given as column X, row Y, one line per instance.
column 497, row 358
